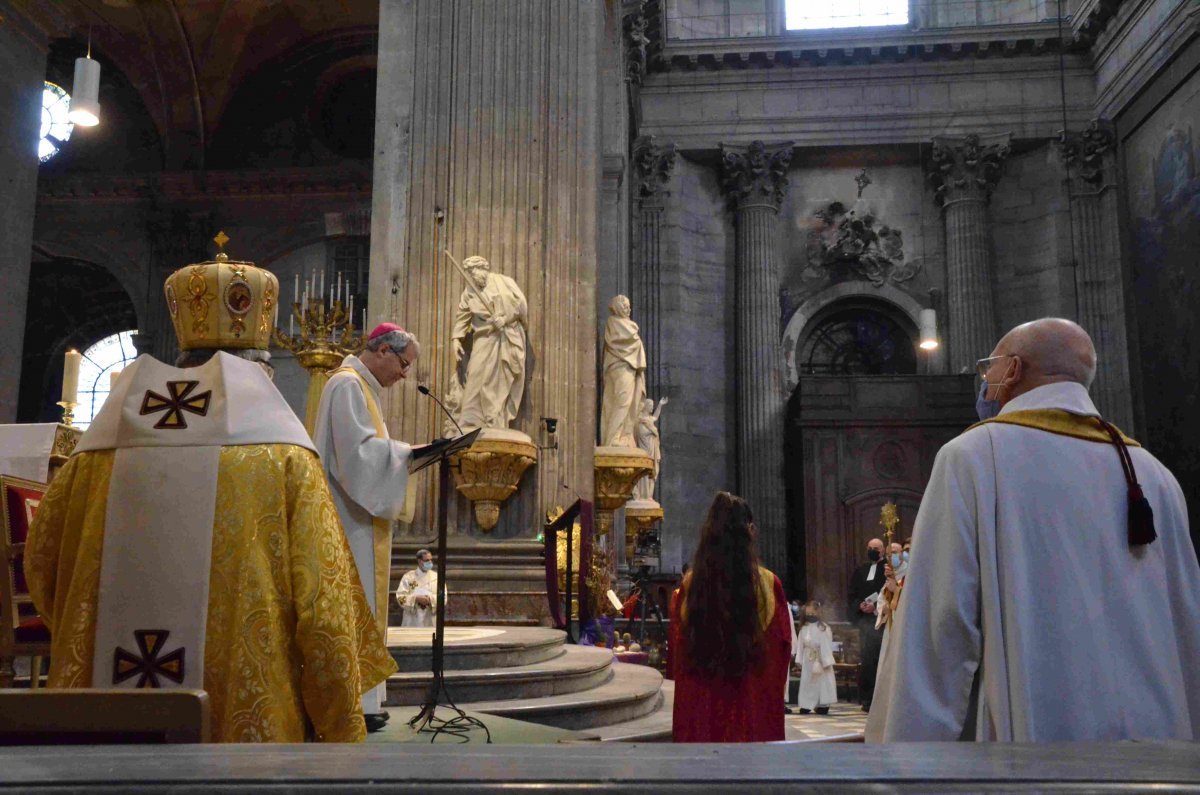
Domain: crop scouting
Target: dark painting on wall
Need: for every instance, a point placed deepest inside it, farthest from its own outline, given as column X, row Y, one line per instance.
column 1162, row 160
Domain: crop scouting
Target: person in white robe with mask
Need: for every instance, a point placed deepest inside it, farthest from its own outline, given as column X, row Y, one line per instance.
column 418, row 593
column 367, row 469
column 1043, row 603
column 814, row 653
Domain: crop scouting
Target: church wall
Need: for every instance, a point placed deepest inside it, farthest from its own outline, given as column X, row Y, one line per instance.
column 1031, row 240
column 1143, row 36
column 1161, row 172
column 22, row 64
column 697, row 290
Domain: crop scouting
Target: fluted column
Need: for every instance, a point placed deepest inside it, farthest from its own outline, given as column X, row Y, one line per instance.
column 755, row 179
column 964, row 171
column 652, row 169
column 1087, row 157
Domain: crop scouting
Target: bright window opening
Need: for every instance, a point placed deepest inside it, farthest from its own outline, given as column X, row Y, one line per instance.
column 100, row 361
column 56, row 129
column 821, row 14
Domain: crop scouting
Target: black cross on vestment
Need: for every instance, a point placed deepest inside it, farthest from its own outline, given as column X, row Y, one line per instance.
column 149, row 665
column 181, row 399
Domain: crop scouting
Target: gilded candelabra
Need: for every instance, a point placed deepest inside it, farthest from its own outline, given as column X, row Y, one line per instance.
column 326, row 336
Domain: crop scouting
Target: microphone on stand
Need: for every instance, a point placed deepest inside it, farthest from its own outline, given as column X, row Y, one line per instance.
column 424, row 390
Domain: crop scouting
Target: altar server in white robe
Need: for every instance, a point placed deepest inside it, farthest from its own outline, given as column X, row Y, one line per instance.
column 814, row 653
column 367, row 469
column 418, row 593
column 1040, row 604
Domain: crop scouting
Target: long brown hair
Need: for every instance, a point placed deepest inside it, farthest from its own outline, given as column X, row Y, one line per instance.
column 722, row 635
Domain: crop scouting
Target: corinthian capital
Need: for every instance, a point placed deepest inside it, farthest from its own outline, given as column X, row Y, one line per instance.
column 756, row 174
column 652, row 164
column 1083, row 152
column 966, row 167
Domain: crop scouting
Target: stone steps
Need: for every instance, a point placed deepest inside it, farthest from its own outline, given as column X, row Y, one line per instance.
column 530, row 674
column 575, row 669
column 632, row 692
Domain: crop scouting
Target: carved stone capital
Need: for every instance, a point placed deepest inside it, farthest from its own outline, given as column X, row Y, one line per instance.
column 617, row 471
column 489, row 472
column 635, row 25
column 966, row 167
column 755, row 174
column 1083, row 152
column 652, row 164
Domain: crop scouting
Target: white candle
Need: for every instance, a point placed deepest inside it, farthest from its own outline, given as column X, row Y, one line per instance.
column 70, row 388
column 296, row 289
column 364, row 325
column 350, row 312
column 292, row 326
column 321, row 290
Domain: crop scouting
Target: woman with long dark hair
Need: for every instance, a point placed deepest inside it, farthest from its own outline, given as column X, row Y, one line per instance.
column 731, row 636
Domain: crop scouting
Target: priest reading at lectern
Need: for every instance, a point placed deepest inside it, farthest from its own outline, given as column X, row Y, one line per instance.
column 191, row 540
column 367, row 469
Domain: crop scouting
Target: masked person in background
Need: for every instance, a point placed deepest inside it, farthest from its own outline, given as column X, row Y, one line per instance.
column 418, row 593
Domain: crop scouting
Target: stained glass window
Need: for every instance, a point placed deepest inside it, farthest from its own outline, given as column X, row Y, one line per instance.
column 818, row 14
column 56, row 129
column 100, row 361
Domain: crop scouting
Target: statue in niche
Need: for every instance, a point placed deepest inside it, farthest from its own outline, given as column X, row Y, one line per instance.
column 624, row 377
column 852, row 240
column 648, row 440
column 491, row 315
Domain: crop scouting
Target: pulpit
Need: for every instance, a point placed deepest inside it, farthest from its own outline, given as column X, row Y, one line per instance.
column 30, row 456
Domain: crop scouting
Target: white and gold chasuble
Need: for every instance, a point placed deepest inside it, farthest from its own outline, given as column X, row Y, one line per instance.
column 191, row 541
column 368, row 476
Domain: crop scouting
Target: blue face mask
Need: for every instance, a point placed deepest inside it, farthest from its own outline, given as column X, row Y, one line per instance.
column 895, row 560
column 426, row 565
column 904, row 555
column 986, row 409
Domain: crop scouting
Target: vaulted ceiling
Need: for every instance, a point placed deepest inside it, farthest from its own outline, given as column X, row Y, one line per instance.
column 186, row 59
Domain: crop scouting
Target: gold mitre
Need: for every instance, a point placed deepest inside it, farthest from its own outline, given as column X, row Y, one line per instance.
column 222, row 303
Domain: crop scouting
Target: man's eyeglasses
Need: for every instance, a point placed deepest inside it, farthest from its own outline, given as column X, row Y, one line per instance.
column 405, row 364
column 983, row 365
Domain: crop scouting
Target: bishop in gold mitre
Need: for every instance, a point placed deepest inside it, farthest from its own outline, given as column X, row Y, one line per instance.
column 191, row 540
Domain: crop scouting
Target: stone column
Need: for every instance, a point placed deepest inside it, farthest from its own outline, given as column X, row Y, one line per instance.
column 964, row 171
column 1088, row 157
column 652, row 169
column 22, row 74
column 755, row 179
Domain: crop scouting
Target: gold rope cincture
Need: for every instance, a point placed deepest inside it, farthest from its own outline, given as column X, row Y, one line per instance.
column 383, row 527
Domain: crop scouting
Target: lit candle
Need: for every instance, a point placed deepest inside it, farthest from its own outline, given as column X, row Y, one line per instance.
column 70, row 388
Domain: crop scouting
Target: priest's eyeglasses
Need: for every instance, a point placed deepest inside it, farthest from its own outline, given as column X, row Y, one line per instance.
column 983, row 365
column 405, row 364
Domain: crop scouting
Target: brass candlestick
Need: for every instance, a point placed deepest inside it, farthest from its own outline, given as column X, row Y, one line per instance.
column 327, row 335
column 68, row 417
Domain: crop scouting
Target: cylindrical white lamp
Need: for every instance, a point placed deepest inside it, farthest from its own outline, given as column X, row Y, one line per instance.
column 85, row 93
column 928, row 323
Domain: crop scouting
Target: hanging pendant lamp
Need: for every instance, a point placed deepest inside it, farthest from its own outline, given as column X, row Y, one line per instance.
column 928, row 323
column 85, row 91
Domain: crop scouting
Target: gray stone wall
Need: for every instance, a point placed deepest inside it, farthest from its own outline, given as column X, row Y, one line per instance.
column 697, row 291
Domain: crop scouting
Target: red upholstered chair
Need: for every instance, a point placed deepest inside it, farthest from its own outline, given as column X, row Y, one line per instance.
column 22, row 631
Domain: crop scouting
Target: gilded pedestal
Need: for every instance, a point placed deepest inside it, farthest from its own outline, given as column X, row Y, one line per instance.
column 618, row 469
column 489, row 473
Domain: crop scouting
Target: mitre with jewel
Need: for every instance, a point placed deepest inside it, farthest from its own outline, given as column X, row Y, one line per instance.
column 222, row 303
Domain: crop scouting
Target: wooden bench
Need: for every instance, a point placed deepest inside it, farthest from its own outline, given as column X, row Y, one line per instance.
column 103, row 717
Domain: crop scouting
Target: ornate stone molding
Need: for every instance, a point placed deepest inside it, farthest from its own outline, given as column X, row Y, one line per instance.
column 634, row 26
column 1083, row 152
column 755, row 174
column 653, row 164
column 617, row 471
column 966, row 167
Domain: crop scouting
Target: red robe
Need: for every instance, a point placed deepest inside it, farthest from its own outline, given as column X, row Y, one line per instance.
column 745, row 710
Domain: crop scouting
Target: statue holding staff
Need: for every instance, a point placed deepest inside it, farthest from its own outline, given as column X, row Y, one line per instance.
column 492, row 314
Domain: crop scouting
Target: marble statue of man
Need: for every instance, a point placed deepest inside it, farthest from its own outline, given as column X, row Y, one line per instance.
column 624, row 377
column 648, row 441
column 492, row 313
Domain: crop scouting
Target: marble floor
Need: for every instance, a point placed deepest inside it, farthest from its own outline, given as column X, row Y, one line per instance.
column 843, row 718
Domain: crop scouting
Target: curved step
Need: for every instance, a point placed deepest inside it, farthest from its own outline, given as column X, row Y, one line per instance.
column 575, row 669
column 632, row 692
column 511, row 648
column 654, row 727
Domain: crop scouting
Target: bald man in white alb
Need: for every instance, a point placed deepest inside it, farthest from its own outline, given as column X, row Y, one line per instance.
column 1034, row 610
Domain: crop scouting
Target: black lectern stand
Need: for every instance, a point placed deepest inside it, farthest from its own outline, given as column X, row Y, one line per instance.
column 437, row 695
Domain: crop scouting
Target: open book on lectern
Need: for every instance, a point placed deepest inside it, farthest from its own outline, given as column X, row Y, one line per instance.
column 438, row 449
